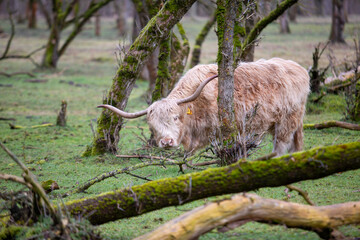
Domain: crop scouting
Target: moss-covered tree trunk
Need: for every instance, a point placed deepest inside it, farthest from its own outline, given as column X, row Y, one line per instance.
column 60, row 13
column 195, row 59
column 156, row 30
column 226, row 15
column 163, row 73
column 238, row 177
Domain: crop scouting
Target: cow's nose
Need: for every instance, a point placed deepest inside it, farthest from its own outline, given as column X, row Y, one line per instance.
column 167, row 142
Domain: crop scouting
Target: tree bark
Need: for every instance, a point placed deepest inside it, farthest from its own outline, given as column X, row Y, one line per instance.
column 32, row 9
column 120, row 18
column 319, row 10
column 163, row 72
column 242, row 208
column 337, row 22
column 284, row 23
column 155, row 31
column 97, row 24
column 226, row 15
column 238, row 177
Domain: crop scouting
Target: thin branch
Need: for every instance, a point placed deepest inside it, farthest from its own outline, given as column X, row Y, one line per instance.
column 304, row 194
column 137, row 176
column 16, row 73
column 14, row 178
column 7, row 48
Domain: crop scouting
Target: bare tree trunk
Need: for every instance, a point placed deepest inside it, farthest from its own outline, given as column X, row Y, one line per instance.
column 319, row 10
column 337, row 22
column 97, row 24
column 238, row 177
column 284, row 23
column 45, row 13
column 32, row 9
column 120, row 18
column 155, row 32
column 21, row 14
column 292, row 12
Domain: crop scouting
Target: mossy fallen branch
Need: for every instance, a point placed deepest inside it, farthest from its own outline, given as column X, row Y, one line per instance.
column 330, row 124
column 241, row 176
column 242, row 208
column 12, row 126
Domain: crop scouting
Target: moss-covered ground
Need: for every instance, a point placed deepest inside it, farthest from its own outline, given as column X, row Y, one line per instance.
column 83, row 77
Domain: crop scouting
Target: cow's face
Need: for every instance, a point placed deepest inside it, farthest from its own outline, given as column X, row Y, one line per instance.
column 165, row 119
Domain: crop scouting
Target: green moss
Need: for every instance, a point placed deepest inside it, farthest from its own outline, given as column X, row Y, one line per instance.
column 10, row 232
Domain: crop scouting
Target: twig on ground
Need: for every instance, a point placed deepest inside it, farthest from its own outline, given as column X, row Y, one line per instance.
column 16, row 73
column 304, row 194
column 137, row 176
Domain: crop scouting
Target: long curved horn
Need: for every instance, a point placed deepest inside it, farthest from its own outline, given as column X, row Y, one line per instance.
column 122, row 113
column 197, row 92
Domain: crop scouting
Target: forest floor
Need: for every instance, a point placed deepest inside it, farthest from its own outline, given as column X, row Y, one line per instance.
column 85, row 73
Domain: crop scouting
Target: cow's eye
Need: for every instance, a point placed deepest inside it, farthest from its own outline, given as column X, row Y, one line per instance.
column 176, row 118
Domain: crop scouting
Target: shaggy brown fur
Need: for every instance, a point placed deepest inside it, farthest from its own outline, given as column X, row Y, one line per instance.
column 279, row 88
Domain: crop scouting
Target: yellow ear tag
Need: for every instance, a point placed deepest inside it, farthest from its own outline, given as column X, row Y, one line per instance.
column 189, row 112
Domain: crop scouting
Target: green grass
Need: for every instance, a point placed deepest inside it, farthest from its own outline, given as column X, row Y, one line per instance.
column 90, row 62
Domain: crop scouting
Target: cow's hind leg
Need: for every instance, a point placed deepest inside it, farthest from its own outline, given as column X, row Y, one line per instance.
column 297, row 144
column 288, row 135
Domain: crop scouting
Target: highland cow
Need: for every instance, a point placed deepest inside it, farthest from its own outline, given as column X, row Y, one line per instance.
column 189, row 114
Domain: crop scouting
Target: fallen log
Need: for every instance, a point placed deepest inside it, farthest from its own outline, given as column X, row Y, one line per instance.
column 330, row 124
column 242, row 208
column 238, row 177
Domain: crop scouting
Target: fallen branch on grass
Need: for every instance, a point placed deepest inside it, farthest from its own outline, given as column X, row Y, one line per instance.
column 242, row 208
column 12, row 126
column 304, row 194
column 238, row 177
column 330, row 124
column 16, row 73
